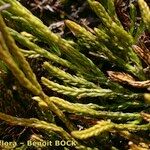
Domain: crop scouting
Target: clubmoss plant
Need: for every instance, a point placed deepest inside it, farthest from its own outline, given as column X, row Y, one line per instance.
column 80, row 98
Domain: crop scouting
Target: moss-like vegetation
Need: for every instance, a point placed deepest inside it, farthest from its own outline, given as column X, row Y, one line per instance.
column 91, row 87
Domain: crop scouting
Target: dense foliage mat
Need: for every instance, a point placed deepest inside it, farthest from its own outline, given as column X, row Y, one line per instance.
column 83, row 84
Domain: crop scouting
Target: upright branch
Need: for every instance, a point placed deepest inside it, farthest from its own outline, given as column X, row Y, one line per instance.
column 122, row 36
column 145, row 11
